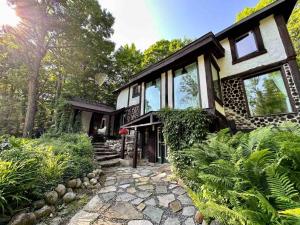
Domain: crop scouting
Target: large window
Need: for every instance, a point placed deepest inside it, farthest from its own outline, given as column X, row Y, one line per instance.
column 186, row 87
column 217, row 82
column 266, row 94
column 152, row 96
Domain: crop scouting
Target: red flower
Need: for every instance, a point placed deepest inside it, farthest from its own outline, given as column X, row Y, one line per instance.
column 123, row 131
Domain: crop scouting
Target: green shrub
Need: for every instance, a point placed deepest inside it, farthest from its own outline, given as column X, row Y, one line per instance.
column 248, row 178
column 183, row 128
column 29, row 167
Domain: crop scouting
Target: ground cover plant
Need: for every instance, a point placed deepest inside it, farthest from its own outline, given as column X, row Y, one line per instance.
column 246, row 178
column 29, row 167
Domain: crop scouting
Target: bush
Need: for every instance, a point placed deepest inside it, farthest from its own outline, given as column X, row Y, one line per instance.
column 248, row 178
column 183, row 128
column 29, row 167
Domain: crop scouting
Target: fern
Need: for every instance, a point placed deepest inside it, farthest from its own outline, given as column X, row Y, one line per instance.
column 248, row 178
column 280, row 185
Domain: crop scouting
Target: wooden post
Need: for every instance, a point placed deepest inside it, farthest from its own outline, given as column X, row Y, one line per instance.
column 123, row 147
column 135, row 153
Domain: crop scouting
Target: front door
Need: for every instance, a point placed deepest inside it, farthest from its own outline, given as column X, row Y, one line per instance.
column 96, row 123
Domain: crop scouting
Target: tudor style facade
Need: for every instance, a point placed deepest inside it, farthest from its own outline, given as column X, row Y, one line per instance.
column 246, row 75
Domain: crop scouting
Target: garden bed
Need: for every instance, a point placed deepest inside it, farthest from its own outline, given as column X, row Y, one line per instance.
column 29, row 168
column 246, row 178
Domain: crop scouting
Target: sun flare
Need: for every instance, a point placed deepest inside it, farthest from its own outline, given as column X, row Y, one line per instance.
column 8, row 15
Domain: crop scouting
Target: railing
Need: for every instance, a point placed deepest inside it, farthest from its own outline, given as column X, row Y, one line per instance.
column 132, row 113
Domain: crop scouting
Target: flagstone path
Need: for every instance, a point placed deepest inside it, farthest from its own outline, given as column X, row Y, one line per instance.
column 142, row 196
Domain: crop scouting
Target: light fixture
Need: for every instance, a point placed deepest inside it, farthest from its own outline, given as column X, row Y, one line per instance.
column 184, row 71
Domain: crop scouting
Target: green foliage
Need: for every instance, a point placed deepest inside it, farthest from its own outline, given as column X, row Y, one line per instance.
column 293, row 23
column 183, row 128
column 70, row 53
column 248, row 178
column 161, row 49
column 65, row 121
column 28, row 167
column 128, row 62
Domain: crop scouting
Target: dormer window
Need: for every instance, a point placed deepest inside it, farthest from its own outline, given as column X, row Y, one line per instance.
column 246, row 45
column 135, row 91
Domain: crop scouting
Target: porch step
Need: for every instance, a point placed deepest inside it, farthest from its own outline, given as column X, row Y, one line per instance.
column 107, row 157
column 110, row 163
column 99, row 145
column 105, row 153
column 101, row 148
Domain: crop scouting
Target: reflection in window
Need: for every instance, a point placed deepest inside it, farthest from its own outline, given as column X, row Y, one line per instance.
column 152, row 96
column 217, row 83
column 186, row 92
column 266, row 94
column 245, row 44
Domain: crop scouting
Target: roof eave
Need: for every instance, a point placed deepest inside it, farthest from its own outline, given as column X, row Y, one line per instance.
column 203, row 41
column 284, row 7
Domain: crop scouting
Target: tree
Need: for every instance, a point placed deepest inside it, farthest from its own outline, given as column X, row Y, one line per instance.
column 161, row 49
column 128, row 62
column 293, row 23
column 57, row 29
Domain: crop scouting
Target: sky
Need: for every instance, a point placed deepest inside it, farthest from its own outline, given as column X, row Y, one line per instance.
column 144, row 22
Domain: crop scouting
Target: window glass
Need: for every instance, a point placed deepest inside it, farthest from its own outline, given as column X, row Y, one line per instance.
column 266, row 94
column 135, row 91
column 152, row 96
column 186, row 87
column 216, row 81
column 246, row 44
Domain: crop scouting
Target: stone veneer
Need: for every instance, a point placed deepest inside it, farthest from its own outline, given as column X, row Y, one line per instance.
column 236, row 105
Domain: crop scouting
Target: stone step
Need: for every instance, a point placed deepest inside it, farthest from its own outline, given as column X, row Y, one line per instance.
column 100, row 146
column 109, row 163
column 102, row 150
column 107, row 157
column 106, row 153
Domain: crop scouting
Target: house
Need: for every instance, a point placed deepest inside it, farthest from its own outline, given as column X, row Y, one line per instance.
column 246, row 75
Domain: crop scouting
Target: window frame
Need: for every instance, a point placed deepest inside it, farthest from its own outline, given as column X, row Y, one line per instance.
column 285, row 81
column 214, row 64
column 181, row 66
column 135, row 91
column 258, row 41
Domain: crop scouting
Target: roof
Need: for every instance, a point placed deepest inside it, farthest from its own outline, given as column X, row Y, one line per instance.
column 284, row 7
column 93, row 106
column 208, row 40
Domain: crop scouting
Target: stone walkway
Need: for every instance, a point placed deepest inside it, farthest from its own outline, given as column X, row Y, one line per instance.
column 142, row 196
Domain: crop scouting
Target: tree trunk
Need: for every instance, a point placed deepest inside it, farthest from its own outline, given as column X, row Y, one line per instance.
column 32, row 100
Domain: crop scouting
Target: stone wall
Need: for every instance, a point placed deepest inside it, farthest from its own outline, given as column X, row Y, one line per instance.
column 116, row 145
column 236, row 105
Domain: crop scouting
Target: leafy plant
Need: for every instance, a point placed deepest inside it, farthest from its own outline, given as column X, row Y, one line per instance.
column 183, row 128
column 248, row 178
column 29, row 167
